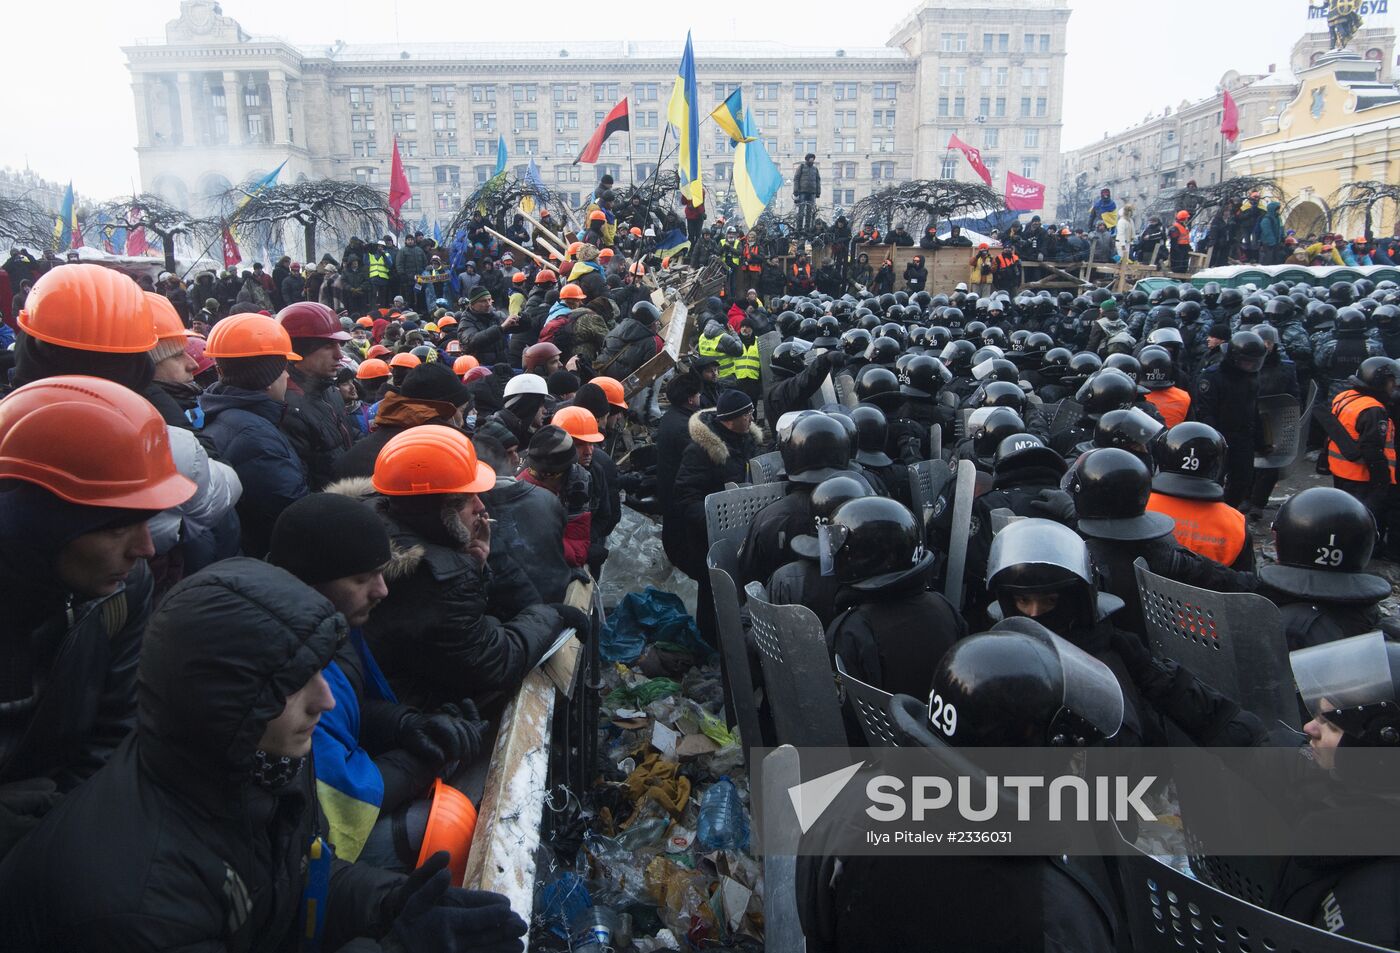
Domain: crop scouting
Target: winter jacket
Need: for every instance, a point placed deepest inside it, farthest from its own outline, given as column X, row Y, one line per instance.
column 605, row 506
column 529, row 324
column 575, row 494
column 588, row 275
column 591, row 330
column 178, row 848
column 672, row 437
column 395, row 415
column 529, row 531
column 714, row 457
column 207, row 523
column 915, row 277
column 1271, row 225
column 801, row 583
column 796, row 392
column 410, row 262
column 244, row 426
column 293, row 288
column 481, row 336
column 434, row 634
column 315, row 424
column 808, row 179
column 768, row 542
column 627, row 347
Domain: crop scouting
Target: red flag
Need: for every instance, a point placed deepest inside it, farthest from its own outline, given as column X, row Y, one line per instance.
column 136, row 244
column 232, row 255
column 616, row 120
column 1230, row 118
column 974, row 158
column 1022, row 194
column 399, row 192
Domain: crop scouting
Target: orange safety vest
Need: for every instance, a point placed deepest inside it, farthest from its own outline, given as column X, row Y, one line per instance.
column 1180, row 234
column 753, row 258
column 1172, row 403
column 1347, row 407
column 1213, row 530
column 801, row 273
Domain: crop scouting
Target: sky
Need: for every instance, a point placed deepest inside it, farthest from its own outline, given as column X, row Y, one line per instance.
column 70, row 113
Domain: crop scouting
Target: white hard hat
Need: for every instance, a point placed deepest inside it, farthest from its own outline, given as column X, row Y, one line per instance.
column 526, row 384
column 962, row 286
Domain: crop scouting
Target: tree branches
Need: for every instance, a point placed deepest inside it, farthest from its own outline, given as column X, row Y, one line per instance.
column 919, row 203
column 500, row 198
column 1206, row 200
column 326, row 206
column 158, row 217
column 1363, row 196
column 24, row 221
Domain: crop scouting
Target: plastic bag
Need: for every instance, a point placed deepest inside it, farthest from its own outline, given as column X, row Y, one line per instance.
column 650, row 616
column 637, row 560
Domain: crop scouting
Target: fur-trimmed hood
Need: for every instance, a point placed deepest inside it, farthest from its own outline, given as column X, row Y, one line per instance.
column 706, row 432
column 403, row 560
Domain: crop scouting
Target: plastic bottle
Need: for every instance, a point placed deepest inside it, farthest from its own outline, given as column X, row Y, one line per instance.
column 596, row 930
column 724, row 825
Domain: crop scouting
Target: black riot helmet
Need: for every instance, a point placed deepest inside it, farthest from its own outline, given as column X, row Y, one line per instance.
column 987, row 353
column 901, row 363
column 974, row 330
column 994, row 335
column 1040, row 557
column 789, row 358
column 1350, row 319
column 1057, row 362
column 814, row 447
column 924, row 377
column 1246, row 351
column 1188, row 312
column 989, row 426
column 1191, row 293
column 1127, row 364
column 1019, row 685
column 1358, row 678
column 828, row 331
column 1319, row 315
column 827, row 498
column 953, row 319
column 877, row 385
column 1250, row 315
column 808, row 329
column 787, row 323
column 1137, row 299
column 1162, row 317
column 1375, row 371
column 1387, row 316
column 872, row 431
column 646, row 312
column 1231, row 300
column 1341, row 293
column 882, row 350
column 938, row 337
column 995, row 369
column 1023, row 451
column 868, row 322
column 1130, row 429
column 1190, row 460
column 1106, row 390
column 1018, row 340
column 1166, row 337
column 1325, row 537
column 957, row 356
column 1004, row 394
column 886, row 301
column 855, row 342
column 1083, row 364
column 1038, row 343
column 1158, row 368
column 1211, row 293
column 875, row 541
column 1111, row 488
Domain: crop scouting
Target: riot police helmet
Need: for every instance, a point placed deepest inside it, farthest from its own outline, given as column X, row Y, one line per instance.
column 1190, row 461
column 1111, row 487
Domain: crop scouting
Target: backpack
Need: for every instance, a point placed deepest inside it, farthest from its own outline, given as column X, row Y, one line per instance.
column 560, row 332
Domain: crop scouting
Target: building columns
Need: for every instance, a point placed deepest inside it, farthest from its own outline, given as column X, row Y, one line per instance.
column 143, row 110
column 277, row 93
column 184, row 89
column 233, row 105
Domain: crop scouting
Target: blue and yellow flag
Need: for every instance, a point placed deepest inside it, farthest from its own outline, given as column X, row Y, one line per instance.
column 65, row 225
column 532, row 175
column 729, row 116
column 756, row 176
column 683, row 113
column 501, row 157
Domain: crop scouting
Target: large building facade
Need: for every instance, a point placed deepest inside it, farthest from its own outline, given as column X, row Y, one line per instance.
column 216, row 106
column 1146, row 164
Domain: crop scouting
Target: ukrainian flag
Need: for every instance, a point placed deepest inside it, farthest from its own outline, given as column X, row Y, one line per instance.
column 501, row 158
column 683, row 113
column 65, row 225
column 729, row 116
column 756, row 176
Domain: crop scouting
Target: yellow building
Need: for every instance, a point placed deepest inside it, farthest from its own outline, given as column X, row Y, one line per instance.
column 1342, row 127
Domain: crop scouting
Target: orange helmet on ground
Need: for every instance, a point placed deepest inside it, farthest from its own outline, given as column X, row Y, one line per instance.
column 430, row 460
column 404, row 359
column 372, row 370
column 463, row 364
column 612, row 389
column 92, row 442
column 250, row 335
column 579, row 423
column 89, row 308
column 571, row 292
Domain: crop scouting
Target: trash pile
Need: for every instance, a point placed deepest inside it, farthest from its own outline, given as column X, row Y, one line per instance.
column 655, row 856
column 636, row 560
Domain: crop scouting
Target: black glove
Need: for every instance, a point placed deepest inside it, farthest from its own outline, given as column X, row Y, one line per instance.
column 415, row 737
column 1055, row 505
column 837, row 359
column 632, row 482
column 435, row 916
column 468, row 729
column 23, row 805
column 577, row 618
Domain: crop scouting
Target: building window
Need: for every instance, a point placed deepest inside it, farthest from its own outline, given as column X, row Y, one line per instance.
column 444, row 147
column 959, row 107
column 523, row 92
column 846, row 144
column 845, row 91
column 884, row 119
column 844, row 196
column 882, row 170
column 564, row 93
column 1003, row 74
column 993, row 165
column 844, row 170
column 803, row 146
column 996, row 42
column 216, row 97
column 605, row 92
column 953, row 42
column 529, row 147
column 566, row 146
column 882, row 143
column 566, row 172
column 366, row 174
column 1025, row 106
column 1042, row 106
column 647, row 145
column 944, row 108
column 1030, row 167
column 399, row 95
column 991, row 138
column 255, row 127
column 362, row 122
column 948, row 168
column 844, row 119
column 447, row 95
column 646, row 92
column 723, row 90
column 444, row 121
column 1032, row 137
column 483, row 94
column 410, row 148
column 360, row 96
column 411, row 173
column 1045, row 43
column 884, row 90
column 722, row 171
column 648, row 119
column 527, row 120
column 483, row 173
column 404, row 122
column 806, row 91
column 999, row 108
column 447, row 175
column 765, row 91
column 984, row 106
column 484, row 122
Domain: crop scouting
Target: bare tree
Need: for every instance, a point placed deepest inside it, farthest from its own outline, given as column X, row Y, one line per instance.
column 1206, row 200
column 328, row 207
column 919, row 203
column 499, row 199
column 158, row 217
column 24, row 221
column 1364, row 196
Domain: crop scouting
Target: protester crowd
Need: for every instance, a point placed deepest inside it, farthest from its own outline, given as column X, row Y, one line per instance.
column 281, row 547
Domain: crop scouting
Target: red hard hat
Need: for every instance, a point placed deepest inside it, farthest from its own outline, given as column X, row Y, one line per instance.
column 537, row 354
column 311, row 319
column 92, row 442
column 89, row 308
column 1183, row 215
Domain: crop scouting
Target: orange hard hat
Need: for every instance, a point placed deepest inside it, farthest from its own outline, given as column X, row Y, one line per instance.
column 451, row 824
column 518, row 278
column 463, row 364
column 430, row 460
column 1183, row 215
column 597, row 215
column 572, row 292
column 89, row 308
column 447, row 321
column 165, row 318
column 605, row 254
column 372, row 370
column 638, row 268
column 404, row 359
column 546, row 277
column 365, row 322
column 92, row 442
column 612, row 389
column 636, row 232
column 982, row 247
column 573, row 248
column 378, row 350
column 250, row 335
column 578, row 423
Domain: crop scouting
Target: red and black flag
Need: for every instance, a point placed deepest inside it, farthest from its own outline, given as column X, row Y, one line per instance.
column 615, row 121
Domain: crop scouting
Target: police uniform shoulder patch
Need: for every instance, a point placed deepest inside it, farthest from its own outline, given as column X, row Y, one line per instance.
column 1204, row 385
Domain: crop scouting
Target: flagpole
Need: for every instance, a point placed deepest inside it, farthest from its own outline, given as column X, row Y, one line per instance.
column 631, row 161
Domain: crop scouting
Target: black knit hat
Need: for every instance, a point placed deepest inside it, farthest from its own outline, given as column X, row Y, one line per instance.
column 732, row 403
column 499, row 432
column 551, row 451
column 562, row 382
column 251, row 373
column 325, row 536
column 1221, row 331
column 435, row 381
column 592, row 399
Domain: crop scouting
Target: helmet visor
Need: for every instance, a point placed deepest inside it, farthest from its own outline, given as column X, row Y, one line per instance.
column 1091, row 701
column 1348, row 673
column 1138, row 427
